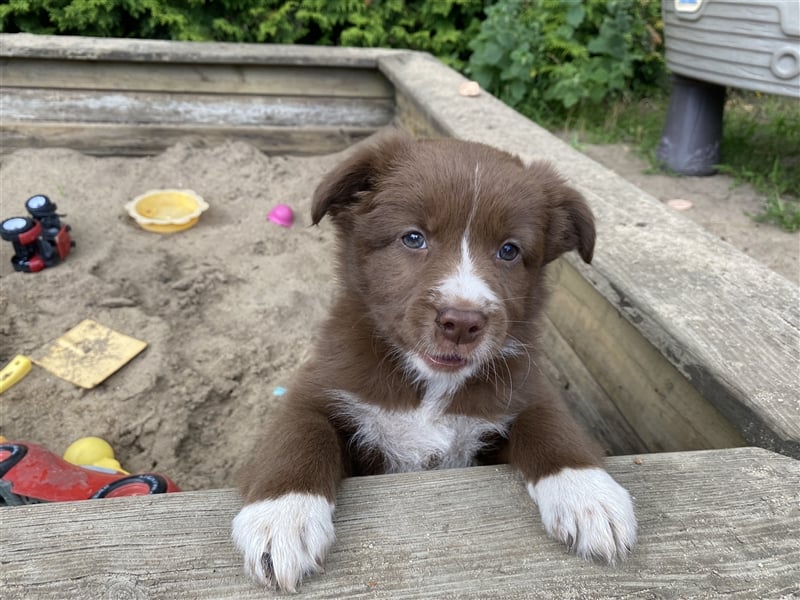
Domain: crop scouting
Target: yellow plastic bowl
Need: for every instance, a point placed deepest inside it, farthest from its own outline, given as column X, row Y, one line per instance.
column 166, row 211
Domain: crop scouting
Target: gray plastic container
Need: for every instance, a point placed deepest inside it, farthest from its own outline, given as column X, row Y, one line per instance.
column 711, row 44
column 748, row 44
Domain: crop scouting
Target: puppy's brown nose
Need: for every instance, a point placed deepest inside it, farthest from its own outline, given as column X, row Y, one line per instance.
column 460, row 326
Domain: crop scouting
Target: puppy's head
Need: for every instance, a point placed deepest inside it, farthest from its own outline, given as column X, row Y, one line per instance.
column 442, row 244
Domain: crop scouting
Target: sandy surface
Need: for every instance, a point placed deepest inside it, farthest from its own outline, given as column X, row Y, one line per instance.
column 227, row 308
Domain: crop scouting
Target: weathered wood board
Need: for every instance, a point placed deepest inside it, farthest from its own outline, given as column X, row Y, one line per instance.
column 191, row 77
column 713, row 524
column 140, row 97
column 24, row 45
column 662, row 407
column 167, row 108
column 596, row 411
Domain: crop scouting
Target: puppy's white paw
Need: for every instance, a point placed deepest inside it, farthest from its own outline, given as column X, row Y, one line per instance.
column 588, row 511
column 285, row 538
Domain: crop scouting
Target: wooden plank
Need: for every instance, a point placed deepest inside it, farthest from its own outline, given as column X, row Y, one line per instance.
column 666, row 412
column 34, row 104
column 137, row 140
column 588, row 402
column 198, row 78
column 25, row 45
column 727, row 323
column 415, row 119
column 467, row 533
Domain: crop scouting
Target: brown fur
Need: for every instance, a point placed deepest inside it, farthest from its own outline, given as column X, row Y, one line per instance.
column 381, row 305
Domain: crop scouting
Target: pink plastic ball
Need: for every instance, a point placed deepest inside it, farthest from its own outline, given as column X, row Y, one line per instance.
column 282, row 215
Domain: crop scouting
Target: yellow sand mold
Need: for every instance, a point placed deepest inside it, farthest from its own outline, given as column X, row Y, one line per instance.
column 89, row 353
column 166, row 211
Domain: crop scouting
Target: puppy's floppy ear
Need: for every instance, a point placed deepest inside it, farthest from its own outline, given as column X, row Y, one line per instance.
column 357, row 175
column 571, row 223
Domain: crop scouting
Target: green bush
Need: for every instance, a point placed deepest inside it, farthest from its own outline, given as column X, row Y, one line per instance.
column 543, row 57
column 548, row 58
column 441, row 27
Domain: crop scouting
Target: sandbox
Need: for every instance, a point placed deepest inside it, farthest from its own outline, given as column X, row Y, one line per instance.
column 671, row 341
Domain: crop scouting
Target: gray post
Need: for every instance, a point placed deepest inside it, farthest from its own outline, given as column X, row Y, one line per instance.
column 693, row 128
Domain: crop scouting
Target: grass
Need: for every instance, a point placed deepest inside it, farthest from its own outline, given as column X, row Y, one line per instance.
column 760, row 145
column 636, row 123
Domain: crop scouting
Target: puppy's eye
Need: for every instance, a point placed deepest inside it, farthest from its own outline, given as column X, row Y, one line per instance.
column 508, row 251
column 414, row 240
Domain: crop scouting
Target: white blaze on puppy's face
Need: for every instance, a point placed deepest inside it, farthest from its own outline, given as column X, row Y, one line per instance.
column 465, row 286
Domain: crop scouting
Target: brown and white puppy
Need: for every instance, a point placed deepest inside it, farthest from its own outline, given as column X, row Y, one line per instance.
column 428, row 358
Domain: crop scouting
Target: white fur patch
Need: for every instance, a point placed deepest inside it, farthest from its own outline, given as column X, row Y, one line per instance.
column 284, row 539
column 465, row 285
column 588, row 511
column 418, row 439
column 440, row 384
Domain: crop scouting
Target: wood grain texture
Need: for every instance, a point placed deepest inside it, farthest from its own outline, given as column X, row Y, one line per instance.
column 25, row 45
column 727, row 323
column 147, row 139
column 662, row 407
column 138, row 97
column 196, row 77
column 467, row 533
column 588, row 402
column 38, row 105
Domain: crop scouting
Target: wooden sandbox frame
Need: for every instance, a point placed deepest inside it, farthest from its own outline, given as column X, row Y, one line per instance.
column 685, row 347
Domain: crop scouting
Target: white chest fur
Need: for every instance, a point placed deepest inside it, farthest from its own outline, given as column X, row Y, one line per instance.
column 419, row 439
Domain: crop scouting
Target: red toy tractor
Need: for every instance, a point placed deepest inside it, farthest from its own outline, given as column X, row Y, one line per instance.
column 30, row 474
column 39, row 241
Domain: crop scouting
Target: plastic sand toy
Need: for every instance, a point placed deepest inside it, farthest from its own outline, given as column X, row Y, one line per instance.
column 31, row 474
column 282, row 215
column 40, row 240
column 14, row 372
column 167, row 211
column 93, row 452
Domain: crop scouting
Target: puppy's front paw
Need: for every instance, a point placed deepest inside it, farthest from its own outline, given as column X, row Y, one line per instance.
column 285, row 538
column 588, row 511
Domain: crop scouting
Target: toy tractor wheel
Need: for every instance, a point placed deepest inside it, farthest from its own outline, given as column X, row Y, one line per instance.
column 11, row 230
column 136, row 485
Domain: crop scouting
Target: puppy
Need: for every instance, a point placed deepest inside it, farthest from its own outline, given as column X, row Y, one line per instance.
column 428, row 357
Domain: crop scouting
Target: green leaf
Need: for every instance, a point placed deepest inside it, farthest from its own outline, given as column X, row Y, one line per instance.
column 575, row 14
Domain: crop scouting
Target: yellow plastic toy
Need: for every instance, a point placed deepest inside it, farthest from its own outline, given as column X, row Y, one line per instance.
column 14, row 371
column 88, row 354
column 166, row 211
column 93, row 452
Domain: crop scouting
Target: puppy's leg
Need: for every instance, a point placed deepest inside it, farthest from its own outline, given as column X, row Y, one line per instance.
column 580, row 504
column 286, row 526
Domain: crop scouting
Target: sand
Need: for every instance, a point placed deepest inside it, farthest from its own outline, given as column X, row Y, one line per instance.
column 228, row 308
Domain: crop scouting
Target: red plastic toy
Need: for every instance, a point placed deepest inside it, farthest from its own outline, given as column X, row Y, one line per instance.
column 39, row 241
column 30, row 474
